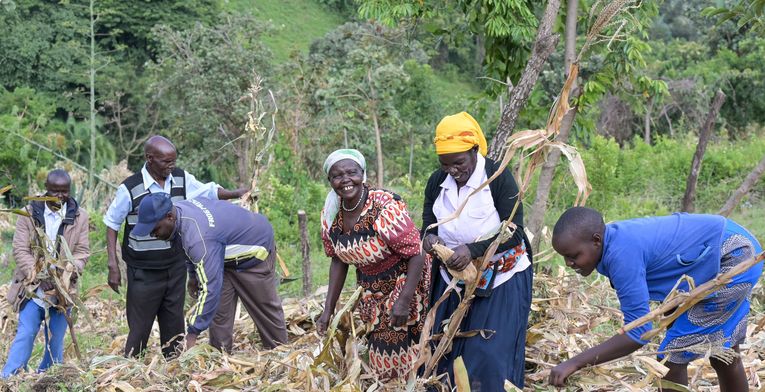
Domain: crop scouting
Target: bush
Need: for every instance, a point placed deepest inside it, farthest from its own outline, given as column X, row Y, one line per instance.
column 641, row 179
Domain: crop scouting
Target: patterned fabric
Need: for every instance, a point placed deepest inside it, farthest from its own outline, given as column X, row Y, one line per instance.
column 504, row 261
column 720, row 320
column 510, row 258
column 380, row 244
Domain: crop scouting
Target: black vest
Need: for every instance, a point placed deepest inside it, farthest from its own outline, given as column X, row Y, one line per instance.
column 149, row 252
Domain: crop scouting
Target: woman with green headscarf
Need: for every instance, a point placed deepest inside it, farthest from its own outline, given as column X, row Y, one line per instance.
column 371, row 229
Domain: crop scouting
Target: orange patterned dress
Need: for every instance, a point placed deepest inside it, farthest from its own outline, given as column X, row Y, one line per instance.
column 380, row 245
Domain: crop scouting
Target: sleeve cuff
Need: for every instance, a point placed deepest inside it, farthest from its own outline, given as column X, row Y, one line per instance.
column 112, row 225
column 475, row 252
column 193, row 330
column 635, row 336
column 214, row 191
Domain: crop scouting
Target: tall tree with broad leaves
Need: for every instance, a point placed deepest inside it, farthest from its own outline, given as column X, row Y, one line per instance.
column 360, row 72
column 201, row 75
column 503, row 30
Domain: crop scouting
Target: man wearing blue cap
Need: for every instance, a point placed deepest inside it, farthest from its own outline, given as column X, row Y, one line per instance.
column 156, row 272
column 232, row 252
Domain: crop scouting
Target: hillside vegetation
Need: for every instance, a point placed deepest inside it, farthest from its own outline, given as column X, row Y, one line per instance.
column 181, row 69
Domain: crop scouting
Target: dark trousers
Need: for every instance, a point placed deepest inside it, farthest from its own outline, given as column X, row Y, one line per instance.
column 155, row 293
column 256, row 286
column 492, row 360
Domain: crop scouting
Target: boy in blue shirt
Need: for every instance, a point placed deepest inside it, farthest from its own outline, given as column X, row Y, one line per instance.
column 643, row 259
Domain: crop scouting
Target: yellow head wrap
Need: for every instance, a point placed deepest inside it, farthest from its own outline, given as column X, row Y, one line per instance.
column 457, row 133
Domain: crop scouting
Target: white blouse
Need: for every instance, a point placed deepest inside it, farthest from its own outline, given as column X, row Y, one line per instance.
column 479, row 216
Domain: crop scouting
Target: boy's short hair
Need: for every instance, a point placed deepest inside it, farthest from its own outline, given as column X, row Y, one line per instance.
column 583, row 221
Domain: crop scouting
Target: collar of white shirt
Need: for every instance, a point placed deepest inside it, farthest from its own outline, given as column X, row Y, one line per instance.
column 56, row 214
column 148, row 179
column 475, row 180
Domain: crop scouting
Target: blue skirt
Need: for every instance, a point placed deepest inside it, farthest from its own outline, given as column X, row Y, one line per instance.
column 497, row 357
column 719, row 320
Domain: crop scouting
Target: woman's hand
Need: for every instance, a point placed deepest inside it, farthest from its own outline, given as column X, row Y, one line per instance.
column 399, row 315
column 560, row 373
column 322, row 323
column 429, row 241
column 460, row 259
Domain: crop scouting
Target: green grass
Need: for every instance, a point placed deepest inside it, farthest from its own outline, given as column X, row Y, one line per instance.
column 296, row 22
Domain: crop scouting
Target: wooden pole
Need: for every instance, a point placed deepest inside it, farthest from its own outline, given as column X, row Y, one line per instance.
column 92, row 161
column 307, row 281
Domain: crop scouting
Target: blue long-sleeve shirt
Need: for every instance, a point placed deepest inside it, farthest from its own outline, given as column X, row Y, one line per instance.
column 213, row 232
column 644, row 258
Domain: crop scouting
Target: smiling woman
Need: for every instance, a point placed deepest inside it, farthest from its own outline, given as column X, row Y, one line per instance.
column 371, row 229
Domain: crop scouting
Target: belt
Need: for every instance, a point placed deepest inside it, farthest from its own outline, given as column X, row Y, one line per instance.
column 240, row 264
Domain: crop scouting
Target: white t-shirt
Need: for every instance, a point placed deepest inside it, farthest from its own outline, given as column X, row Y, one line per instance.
column 53, row 220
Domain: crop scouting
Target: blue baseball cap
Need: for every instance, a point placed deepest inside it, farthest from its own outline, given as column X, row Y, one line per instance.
column 153, row 208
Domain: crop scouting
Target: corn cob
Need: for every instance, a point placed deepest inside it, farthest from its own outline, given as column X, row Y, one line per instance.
column 467, row 275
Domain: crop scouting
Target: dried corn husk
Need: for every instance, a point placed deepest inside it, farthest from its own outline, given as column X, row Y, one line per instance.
column 569, row 313
column 467, row 275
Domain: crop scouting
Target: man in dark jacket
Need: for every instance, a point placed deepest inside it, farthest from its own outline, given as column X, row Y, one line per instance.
column 232, row 252
column 33, row 294
column 156, row 273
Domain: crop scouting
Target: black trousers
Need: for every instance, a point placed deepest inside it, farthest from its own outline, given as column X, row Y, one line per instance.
column 155, row 293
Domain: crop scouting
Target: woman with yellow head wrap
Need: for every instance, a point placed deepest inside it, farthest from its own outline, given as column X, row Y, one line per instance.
column 457, row 133
column 503, row 299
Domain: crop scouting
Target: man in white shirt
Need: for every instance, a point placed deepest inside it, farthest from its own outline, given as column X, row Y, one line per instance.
column 61, row 220
column 156, row 271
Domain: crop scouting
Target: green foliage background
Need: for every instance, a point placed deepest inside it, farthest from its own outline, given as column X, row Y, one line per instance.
column 178, row 68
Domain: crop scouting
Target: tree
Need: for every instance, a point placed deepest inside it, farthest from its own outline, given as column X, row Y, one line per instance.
column 596, row 80
column 200, row 76
column 51, row 47
column 503, row 31
column 745, row 13
column 543, row 46
column 24, row 113
column 750, row 180
column 704, row 133
column 360, row 70
column 652, row 91
column 45, row 49
column 547, row 173
column 127, row 26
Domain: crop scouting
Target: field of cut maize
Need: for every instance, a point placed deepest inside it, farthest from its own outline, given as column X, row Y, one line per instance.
column 569, row 314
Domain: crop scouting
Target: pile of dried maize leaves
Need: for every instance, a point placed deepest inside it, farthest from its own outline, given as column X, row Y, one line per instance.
column 569, row 314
